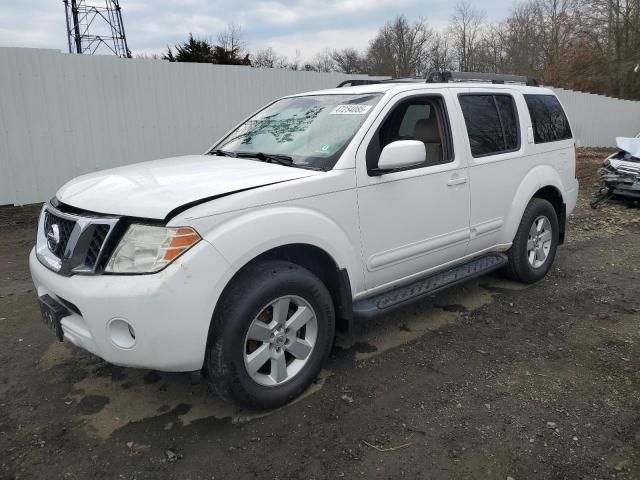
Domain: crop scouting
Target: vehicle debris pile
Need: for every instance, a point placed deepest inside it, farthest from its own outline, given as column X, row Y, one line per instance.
column 620, row 173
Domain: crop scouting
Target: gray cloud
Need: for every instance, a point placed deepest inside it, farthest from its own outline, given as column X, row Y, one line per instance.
column 286, row 25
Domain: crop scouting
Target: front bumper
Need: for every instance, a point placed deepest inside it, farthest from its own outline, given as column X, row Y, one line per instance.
column 170, row 311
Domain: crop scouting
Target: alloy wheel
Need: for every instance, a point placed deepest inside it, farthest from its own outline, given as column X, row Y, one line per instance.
column 280, row 340
column 539, row 241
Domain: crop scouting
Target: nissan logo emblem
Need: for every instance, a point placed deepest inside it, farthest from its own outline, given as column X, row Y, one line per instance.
column 53, row 237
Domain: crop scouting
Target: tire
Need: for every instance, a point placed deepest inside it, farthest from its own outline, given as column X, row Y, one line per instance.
column 520, row 266
column 284, row 296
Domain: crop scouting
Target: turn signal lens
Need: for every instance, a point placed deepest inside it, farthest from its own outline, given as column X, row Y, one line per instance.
column 148, row 249
column 182, row 240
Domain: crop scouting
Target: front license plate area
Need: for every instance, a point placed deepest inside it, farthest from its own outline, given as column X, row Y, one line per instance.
column 52, row 312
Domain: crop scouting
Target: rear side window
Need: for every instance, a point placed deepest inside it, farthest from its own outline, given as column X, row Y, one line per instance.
column 549, row 121
column 492, row 123
column 509, row 117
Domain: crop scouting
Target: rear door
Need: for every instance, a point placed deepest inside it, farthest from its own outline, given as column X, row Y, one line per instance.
column 494, row 145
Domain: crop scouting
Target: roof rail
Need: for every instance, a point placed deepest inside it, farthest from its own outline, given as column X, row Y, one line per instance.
column 498, row 78
column 355, row 83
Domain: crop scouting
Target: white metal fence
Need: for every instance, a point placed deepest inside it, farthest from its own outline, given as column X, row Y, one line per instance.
column 64, row 115
column 597, row 120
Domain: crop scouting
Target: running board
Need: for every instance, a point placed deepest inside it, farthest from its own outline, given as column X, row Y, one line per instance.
column 401, row 296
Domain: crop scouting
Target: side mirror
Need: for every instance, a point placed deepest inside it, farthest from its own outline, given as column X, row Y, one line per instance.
column 400, row 154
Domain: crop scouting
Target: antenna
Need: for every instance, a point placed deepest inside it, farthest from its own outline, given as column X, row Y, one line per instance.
column 96, row 29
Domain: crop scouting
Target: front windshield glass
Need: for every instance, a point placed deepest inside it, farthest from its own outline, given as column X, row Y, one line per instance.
column 313, row 130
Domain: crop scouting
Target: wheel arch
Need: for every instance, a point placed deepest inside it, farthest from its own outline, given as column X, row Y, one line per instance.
column 317, row 261
column 541, row 182
column 322, row 265
column 554, row 197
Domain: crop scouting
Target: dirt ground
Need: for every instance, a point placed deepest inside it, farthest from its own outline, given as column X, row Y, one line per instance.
column 491, row 380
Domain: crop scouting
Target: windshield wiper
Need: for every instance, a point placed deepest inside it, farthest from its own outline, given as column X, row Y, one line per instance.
column 278, row 159
column 222, row 153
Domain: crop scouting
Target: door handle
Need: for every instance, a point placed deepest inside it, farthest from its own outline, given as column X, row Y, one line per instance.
column 456, row 181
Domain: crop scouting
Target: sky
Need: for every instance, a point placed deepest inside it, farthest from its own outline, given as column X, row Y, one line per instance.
column 307, row 26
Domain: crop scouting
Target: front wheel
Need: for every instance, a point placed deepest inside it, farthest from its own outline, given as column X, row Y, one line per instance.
column 535, row 244
column 271, row 335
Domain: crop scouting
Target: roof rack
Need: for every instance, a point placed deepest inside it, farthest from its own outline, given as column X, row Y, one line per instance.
column 447, row 76
column 497, row 78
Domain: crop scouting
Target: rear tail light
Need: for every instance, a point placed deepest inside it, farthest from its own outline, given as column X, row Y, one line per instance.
column 576, row 157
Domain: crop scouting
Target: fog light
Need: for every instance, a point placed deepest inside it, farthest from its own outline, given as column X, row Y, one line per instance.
column 121, row 333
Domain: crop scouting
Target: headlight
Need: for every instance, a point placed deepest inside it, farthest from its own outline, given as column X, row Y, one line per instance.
column 148, row 249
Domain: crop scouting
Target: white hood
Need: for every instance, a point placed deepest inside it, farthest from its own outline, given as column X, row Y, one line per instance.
column 631, row 145
column 153, row 189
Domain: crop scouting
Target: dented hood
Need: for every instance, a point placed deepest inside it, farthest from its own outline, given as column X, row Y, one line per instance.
column 631, row 145
column 155, row 189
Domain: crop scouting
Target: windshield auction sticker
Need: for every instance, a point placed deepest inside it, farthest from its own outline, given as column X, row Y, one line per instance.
column 351, row 110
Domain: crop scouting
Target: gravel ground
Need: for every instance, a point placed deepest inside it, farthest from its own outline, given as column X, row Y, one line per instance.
column 490, row 380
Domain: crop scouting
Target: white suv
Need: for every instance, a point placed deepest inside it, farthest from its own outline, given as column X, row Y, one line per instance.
column 319, row 208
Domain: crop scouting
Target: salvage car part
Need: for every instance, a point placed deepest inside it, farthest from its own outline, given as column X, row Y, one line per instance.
column 620, row 173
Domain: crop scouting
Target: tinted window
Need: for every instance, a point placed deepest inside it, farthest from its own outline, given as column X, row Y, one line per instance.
column 492, row 123
column 509, row 117
column 549, row 122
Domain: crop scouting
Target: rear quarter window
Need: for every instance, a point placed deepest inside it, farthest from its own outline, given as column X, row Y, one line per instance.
column 548, row 119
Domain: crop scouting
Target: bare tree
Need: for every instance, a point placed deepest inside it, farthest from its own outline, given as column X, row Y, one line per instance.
column 465, row 30
column 557, row 28
column 400, row 48
column 231, row 41
column 618, row 23
column 380, row 59
column 295, row 63
column 323, row 62
column 492, row 49
column 268, row 58
column 348, row 60
column 441, row 55
column 524, row 49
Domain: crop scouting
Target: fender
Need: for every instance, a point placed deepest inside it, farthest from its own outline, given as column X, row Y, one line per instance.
column 245, row 236
column 537, row 178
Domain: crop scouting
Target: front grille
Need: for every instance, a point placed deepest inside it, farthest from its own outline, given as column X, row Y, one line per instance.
column 75, row 242
column 99, row 236
column 64, row 229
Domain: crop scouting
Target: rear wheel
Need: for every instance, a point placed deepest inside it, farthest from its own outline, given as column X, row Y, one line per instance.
column 535, row 244
column 271, row 335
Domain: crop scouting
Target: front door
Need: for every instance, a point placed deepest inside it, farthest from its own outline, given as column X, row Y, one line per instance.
column 416, row 219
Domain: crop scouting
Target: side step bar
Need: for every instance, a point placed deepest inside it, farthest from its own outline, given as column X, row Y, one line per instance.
column 401, row 296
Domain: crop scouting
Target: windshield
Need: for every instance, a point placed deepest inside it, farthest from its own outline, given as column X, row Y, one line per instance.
column 312, row 130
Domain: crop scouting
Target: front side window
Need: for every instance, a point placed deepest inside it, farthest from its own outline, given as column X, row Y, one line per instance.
column 422, row 118
column 548, row 119
column 312, row 130
column 492, row 123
